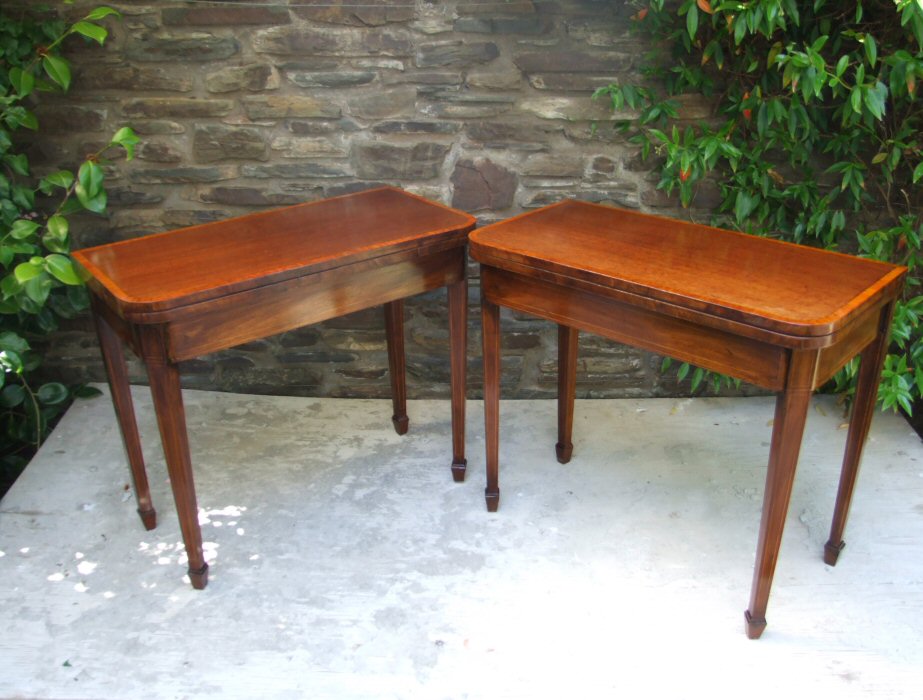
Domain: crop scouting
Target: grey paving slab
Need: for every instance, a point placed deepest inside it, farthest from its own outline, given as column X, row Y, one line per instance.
column 347, row 564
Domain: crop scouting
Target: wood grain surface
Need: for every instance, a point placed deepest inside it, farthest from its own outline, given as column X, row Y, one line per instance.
column 171, row 269
column 782, row 287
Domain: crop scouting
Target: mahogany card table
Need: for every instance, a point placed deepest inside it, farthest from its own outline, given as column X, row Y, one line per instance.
column 176, row 295
column 782, row 316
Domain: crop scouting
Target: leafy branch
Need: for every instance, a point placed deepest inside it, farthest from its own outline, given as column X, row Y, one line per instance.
column 814, row 137
column 39, row 283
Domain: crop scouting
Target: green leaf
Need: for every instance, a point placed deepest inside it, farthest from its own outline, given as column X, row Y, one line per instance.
column 12, row 396
column 23, row 198
column 819, row 43
column 27, row 271
column 774, row 51
column 47, row 323
column 697, row 378
column 13, row 341
column 84, row 391
column 16, row 116
column 744, row 206
column 871, row 49
column 58, row 227
column 28, row 120
column 874, row 99
column 23, row 229
column 127, row 139
column 918, row 172
column 78, row 297
column 842, row 65
column 89, row 187
column 52, row 393
column 855, row 99
column 90, row 178
column 11, row 362
column 58, row 70
column 62, row 178
column 740, row 29
column 692, row 21
column 10, row 286
column 92, row 31
column 38, row 288
column 55, row 238
column 762, row 119
column 18, row 162
column 22, row 81
column 100, row 12
column 62, row 268
column 96, row 204
column 22, row 247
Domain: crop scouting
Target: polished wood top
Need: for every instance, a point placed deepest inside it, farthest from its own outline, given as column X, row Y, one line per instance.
column 773, row 285
column 167, row 270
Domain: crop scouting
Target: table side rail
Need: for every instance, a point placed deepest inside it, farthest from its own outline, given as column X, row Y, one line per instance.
column 702, row 312
column 852, row 340
column 217, row 324
column 150, row 311
column 754, row 361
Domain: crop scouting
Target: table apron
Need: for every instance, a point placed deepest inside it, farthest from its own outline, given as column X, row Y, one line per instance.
column 757, row 362
column 850, row 342
column 258, row 313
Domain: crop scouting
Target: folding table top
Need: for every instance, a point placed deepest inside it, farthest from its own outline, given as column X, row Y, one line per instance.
column 166, row 270
column 774, row 285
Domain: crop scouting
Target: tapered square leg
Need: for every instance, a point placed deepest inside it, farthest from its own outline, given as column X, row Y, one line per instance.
column 490, row 331
column 458, row 362
column 567, row 387
column 871, row 360
column 788, row 430
column 394, row 333
column 117, row 374
column 171, row 418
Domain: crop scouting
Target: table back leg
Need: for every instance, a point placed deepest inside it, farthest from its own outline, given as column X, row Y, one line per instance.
column 117, row 373
column 787, row 432
column 458, row 361
column 394, row 333
column 490, row 333
column 567, row 387
column 171, row 418
column 871, row 360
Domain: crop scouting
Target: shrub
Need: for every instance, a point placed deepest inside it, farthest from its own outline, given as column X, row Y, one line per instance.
column 815, row 136
column 38, row 282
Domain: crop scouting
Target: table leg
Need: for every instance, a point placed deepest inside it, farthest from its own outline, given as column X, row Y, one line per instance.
column 117, row 373
column 788, row 429
column 567, row 386
column 171, row 418
column 458, row 360
column 394, row 333
column 490, row 333
column 871, row 360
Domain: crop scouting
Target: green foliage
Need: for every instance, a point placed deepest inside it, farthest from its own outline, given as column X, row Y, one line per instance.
column 815, row 138
column 39, row 283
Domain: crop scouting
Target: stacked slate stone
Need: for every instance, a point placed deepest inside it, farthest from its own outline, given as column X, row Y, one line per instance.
column 485, row 106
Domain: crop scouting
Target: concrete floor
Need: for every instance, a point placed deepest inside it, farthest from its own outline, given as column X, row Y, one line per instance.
column 347, row 564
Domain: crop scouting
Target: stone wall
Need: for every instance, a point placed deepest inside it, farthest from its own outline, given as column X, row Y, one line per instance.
column 481, row 105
